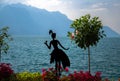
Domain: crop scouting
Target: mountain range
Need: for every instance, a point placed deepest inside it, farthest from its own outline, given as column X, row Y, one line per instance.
column 27, row 20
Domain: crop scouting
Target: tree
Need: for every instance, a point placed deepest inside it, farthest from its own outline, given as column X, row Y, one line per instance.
column 4, row 38
column 87, row 32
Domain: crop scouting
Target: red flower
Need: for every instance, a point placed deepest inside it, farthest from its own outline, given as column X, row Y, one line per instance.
column 5, row 70
column 84, row 76
column 44, row 74
column 98, row 74
column 66, row 69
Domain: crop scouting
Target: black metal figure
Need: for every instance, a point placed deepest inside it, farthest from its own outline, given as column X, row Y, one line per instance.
column 57, row 54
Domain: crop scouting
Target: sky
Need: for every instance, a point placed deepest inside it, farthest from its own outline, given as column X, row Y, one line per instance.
column 107, row 10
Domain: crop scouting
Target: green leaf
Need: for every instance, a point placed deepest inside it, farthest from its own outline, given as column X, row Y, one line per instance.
column 4, row 39
column 89, row 31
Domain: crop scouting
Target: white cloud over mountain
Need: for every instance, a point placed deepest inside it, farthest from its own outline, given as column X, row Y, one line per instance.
column 107, row 10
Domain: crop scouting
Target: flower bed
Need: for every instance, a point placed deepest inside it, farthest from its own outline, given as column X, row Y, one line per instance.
column 7, row 74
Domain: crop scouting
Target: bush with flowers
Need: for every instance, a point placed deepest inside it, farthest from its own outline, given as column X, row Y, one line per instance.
column 7, row 74
column 5, row 71
column 49, row 75
column 84, row 76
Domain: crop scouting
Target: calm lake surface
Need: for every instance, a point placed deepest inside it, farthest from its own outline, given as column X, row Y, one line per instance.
column 30, row 54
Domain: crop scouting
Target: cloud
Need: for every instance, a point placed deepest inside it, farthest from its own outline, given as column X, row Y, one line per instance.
column 97, row 5
column 12, row 1
column 116, row 4
column 43, row 3
column 62, row 6
column 107, row 10
column 51, row 5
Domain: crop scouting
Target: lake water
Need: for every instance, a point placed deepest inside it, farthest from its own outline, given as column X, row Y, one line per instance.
column 30, row 54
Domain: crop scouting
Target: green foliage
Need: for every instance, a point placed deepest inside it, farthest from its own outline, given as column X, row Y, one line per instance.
column 26, row 76
column 89, row 31
column 4, row 38
column 50, row 76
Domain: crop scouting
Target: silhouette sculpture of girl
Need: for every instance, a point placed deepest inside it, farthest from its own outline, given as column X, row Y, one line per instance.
column 57, row 54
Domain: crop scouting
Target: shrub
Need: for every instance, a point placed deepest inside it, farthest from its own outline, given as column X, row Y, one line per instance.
column 49, row 75
column 82, row 76
column 28, row 76
column 5, row 71
column 7, row 74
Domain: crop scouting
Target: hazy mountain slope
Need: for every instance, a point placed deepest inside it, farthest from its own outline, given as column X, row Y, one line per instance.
column 27, row 20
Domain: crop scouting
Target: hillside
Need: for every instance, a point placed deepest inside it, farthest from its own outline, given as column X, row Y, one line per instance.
column 109, row 32
column 27, row 20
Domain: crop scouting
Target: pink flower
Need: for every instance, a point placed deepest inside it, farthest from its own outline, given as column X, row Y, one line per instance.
column 66, row 69
column 43, row 70
column 72, row 36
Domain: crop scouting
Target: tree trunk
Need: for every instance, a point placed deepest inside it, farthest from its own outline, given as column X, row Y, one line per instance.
column 89, row 58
